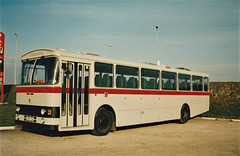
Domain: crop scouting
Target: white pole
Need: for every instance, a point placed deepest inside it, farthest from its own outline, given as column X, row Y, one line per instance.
column 15, row 72
column 158, row 62
column 105, row 49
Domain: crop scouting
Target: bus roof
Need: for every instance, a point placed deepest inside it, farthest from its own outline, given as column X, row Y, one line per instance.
column 38, row 53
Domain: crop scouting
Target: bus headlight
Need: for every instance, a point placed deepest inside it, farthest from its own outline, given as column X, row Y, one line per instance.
column 18, row 109
column 43, row 111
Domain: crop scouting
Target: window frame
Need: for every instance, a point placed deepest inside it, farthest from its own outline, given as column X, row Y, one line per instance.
column 169, row 79
column 128, row 76
column 157, row 78
column 200, row 85
column 188, row 87
column 208, row 84
column 57, row 67
column 101, row 74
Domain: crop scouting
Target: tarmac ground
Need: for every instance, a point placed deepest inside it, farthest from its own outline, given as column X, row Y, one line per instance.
column 197, row 137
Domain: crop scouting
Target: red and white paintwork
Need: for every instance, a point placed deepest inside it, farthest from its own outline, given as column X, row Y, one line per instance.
column 131, row 106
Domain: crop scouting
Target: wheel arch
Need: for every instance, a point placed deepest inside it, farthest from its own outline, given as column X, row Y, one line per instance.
column 109, row 108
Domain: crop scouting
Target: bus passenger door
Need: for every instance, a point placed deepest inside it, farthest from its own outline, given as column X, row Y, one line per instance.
column 75, row 84
column 83, row 95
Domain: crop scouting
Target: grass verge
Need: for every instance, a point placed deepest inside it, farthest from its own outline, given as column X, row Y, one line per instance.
column 7, row 111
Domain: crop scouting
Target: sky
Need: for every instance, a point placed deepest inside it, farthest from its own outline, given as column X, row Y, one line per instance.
column 202, row 35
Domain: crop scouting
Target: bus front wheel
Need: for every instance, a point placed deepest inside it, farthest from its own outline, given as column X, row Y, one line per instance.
column 185, row 114
column 103, row 122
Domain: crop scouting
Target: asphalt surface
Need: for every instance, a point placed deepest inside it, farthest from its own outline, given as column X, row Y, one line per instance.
column 197, row 137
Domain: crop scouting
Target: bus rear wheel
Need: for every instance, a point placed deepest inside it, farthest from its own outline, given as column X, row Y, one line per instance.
column 185, row 114
column 103, row 122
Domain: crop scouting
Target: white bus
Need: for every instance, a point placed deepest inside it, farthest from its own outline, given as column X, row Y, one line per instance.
column 71, row 92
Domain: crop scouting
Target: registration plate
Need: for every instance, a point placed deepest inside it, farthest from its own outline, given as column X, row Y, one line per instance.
column 30, row 119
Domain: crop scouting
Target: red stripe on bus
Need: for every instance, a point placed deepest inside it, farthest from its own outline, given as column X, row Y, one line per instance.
column 109, row 91
column 145, row 92
column 39, row 90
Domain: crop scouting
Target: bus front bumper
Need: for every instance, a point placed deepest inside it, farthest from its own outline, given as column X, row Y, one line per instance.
column 37, row 123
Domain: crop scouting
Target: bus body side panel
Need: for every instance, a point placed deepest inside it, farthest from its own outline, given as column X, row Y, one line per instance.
column 139, row 109
column 198, row 105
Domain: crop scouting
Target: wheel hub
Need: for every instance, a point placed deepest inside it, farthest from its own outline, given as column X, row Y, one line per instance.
column 103, row 122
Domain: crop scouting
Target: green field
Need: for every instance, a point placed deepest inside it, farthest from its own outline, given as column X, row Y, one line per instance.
column 224, row 102
column 7, row 111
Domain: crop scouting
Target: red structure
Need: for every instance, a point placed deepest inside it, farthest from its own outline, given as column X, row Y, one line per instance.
column 2, row 49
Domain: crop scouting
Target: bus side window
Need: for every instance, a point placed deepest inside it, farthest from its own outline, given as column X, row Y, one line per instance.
column 168, row 80
column 103, row 75
column 206, row 83
column 197, row 83
column 127, row 77
column 184, row 82
column 149, row 79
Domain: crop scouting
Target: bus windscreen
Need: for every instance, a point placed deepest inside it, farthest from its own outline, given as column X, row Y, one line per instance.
column 40, row 71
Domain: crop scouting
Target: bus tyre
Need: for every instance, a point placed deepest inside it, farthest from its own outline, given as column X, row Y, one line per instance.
column 103, row 122
column 185, row 114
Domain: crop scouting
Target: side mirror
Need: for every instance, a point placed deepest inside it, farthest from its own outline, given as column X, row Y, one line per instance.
column 68, row 68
